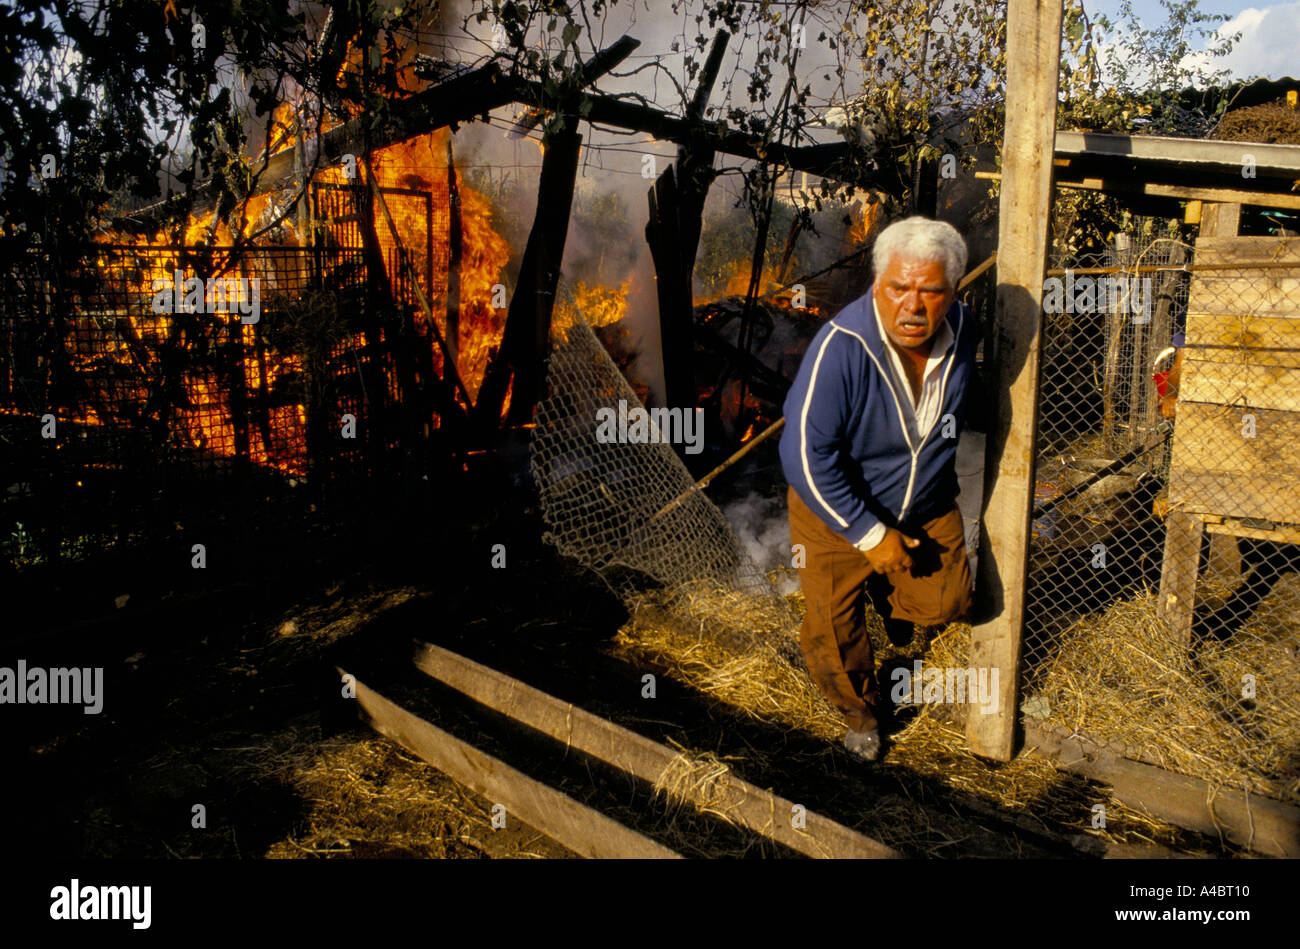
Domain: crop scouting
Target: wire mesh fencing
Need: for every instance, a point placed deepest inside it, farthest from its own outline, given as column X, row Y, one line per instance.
column 147, row 375
column 617, row 498
column 1163, row 602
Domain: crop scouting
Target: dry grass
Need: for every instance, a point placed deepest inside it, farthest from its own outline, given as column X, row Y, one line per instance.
column 369, row 798
column 1121, row 677
column 762, row 684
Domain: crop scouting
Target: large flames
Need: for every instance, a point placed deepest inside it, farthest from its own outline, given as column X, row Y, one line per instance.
column 601, row 306
column 420, row 164
column 418, row 167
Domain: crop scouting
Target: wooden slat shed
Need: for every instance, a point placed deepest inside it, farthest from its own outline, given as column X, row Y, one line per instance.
column 1235, row 469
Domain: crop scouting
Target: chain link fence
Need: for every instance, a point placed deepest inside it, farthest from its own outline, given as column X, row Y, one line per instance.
column 122, row 411
column 1163, row 607
column 617, row 499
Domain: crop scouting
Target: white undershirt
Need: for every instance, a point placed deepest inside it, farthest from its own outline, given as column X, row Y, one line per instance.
column 919, row 416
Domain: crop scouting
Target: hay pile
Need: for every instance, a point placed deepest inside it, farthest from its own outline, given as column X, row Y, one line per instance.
column 763, row 684
column 1121, row 677
column 358, row 796
column 367, row 797
column 735, row 648
column 1270, row 122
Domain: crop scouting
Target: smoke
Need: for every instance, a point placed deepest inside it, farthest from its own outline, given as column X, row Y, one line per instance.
column 611, row 249
column 763, row 528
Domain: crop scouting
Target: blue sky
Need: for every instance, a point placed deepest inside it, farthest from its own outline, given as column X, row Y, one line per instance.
column 1269, row 33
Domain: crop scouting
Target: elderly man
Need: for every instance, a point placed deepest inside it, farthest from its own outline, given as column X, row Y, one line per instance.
column 872, row 422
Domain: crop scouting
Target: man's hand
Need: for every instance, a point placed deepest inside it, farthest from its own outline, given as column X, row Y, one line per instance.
column 890, row 555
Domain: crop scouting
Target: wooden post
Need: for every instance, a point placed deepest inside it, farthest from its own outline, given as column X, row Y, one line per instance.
column 453, row 262
column 525, row 343
column 1184, row 534
column 300, row 179
column 673, row 233
column 1033, row 66
column 925, row 188
column 1220, row 220
column 663, row 232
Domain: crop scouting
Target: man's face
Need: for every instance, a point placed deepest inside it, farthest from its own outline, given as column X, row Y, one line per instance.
column 912, row 296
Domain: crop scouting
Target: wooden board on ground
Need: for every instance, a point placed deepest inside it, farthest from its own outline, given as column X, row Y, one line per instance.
column 586, row 832
column 730, row 797
column 1260, row 824
column 1217, row 468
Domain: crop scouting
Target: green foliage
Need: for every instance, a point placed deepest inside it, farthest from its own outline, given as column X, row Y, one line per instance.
column 1127, row 77
column 137, row 100
column 935, row 72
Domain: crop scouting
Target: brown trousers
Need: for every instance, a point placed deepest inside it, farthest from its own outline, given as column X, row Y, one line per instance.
column 836, row 645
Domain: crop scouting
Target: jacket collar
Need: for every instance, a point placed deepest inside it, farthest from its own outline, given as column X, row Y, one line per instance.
column 863, row 323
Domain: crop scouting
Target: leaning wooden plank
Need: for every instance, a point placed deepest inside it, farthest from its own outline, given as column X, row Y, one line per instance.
column 1033, row 67
column 581, row 829
column 1261, row 824
column 726, row 796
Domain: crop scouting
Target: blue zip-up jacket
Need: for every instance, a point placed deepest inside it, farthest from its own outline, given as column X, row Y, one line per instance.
column 845, row 448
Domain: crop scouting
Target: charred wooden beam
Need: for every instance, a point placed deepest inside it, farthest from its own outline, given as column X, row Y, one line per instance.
column 459, row 99
column 454, row 239
column 832, row 160
column 673, row 233
column 468, row 95
column 925, row 187
column 525, row 341
column 664, row 234
column 588, row 72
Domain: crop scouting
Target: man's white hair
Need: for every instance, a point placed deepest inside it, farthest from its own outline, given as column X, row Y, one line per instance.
column 921, row 238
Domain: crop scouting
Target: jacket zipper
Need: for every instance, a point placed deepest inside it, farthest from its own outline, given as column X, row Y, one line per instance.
column 911, row 483
column 943, row 392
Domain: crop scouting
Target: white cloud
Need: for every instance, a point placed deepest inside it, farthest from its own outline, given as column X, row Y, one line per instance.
column 1267, row 46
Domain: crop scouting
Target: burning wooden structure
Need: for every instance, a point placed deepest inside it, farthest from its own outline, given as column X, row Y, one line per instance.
column 383, row 342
